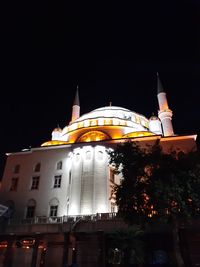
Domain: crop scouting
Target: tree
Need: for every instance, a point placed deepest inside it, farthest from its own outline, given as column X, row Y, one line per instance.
column 126, row 247
column 157, row 186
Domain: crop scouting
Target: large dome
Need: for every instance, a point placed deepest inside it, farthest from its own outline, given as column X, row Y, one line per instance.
column 105, row 123
column 111, row 112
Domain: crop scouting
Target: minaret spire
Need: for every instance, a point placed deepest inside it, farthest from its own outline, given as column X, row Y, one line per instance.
column 164, row 113
column 159, row 85
column 76, row 99
column 76, row 107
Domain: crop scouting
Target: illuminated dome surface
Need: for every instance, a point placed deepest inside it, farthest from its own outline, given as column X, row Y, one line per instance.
column 111, row 112
column 109, row 122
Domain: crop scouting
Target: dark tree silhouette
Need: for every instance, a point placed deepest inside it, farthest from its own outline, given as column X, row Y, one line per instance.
column 157, row 186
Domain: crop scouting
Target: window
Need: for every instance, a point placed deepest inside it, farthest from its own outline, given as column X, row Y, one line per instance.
column 88, row 155
column 93, row 136
column 70, row 177
column 113, row 207
column 78, row 156
column 57, row 181
column 53, row 210
column 59, row 165
column 30, row 212
column 35, row 182
column 100, row 155
column 17, row 168
column 14, row 183
column 37, row 167
column 112, row 176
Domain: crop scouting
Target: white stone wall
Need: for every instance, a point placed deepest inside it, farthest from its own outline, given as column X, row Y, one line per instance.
column 86, row 192
column 155, row 126
column 89, row 186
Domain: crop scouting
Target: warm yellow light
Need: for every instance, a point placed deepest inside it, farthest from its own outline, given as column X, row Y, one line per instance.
column 54, row 143
column 137, row 134
column 93, row 136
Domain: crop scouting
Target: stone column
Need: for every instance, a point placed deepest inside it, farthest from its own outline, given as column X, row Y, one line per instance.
column 35, row 252
column 65, row 249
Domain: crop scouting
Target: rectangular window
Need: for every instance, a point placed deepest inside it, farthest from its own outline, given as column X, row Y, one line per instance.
column 112, row 176
column 53, row 210
column 112, row 207
column 30, row 212
column 70, row 177
column 57, row 181
column 35, row 182
column 17, row 168
column 14, row 183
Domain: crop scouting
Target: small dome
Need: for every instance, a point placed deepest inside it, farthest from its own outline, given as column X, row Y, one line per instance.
column 154, row 118
column 57, row 129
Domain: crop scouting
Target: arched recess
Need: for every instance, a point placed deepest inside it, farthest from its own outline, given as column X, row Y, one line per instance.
column 93, row 136
column 54, row 201
column 31, row 202
column 59, row 165
column 37, row 167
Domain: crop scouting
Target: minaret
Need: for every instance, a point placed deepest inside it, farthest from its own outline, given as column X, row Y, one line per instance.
column 76, row 107
column 164, row 113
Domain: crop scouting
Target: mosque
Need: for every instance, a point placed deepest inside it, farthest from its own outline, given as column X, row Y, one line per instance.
column 69, row 177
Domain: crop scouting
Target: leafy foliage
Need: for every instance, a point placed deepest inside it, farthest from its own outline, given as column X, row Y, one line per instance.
column 130, row 243
column 156, row 185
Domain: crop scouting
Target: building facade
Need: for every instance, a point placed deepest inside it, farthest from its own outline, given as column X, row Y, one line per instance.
column 66, row 184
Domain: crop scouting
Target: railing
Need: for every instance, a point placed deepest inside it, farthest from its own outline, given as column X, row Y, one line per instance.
column 64, row 219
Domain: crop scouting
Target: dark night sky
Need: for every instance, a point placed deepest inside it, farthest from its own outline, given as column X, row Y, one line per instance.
column 112, row 51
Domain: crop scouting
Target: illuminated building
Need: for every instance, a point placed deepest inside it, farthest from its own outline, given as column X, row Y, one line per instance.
column 69, row 176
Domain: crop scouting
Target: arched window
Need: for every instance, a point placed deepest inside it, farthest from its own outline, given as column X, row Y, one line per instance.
column 30, row 209
column 88, row 155
column 54, row 203
column 78, row 156
column 100, row 155
column 93, row 136
column 59, row 165
column 37, row 167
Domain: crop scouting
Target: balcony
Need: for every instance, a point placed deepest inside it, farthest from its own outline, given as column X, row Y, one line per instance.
column 63, row 219
column 78, row 223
